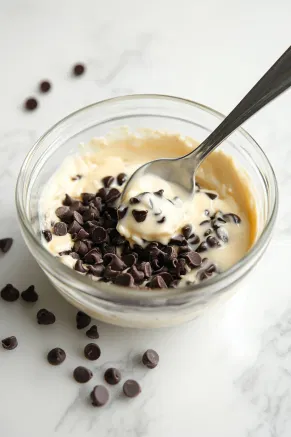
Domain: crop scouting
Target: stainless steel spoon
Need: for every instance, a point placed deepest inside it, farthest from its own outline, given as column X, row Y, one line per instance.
column 182, row 170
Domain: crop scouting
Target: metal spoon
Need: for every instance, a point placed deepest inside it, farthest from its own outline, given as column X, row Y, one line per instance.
column 182, row 170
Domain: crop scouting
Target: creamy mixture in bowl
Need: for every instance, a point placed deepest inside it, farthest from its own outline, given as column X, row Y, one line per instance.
column 153, row 239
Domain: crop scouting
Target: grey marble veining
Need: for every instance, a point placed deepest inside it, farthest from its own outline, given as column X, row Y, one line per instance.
column 227, row 373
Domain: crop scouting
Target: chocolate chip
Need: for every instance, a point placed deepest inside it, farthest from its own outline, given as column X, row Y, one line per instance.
column 193, row 259
column 9, row 343
column 82, row 374
column 178, row 240
column 96, row 270
column 114, row 262
column 167, row 278
column 91, row 213
column 107, row 181
column 134, row 200
column 29, row 295
column 64, row 213
column 212, row 196
column 171, row 253
column 47, row 235
column 205, row 222
column 137, row 275
column 79, row 69
column 56, row 356
column 112, row 376
column 146, row 268
column 99, row 396
column 79, row 267
column 92, row 351
column 129, row 259
column 116, row 238
column 60, row 229
column 159, row 193
column 112, row 195
column 139, row 215
column 157, row 282
column 93, row 257
column 187, row 231
column 75, row 205
column 150, row 359
column 131, row 388
column 44, row 86
column 45, row 317
column 81, row 248
column 201, row 275
column 125, row 280
column 9, row 293
column 207, row 232
column 230, row 217
column 82, row 234
column 222, row 234
column 5, row 244
column 107, row 248
column 163, row 219
column 92, row 332
column 75, row 255
column 202, row 247
column 194, row 239
column 212, row 241
column 31, row 104
column 82, row 319
column 99, row 235
column 211, row 269
column 87, row 197
column 74, row 228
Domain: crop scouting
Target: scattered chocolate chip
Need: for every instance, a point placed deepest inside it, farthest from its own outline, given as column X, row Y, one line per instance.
column 137, row 275
column 44, row 86
column 9, row 343
column 178, row 240
column 56, row 356
column 47, row 235
column 29, row 295
column 75, row 255
column 212, row 241
column 207, row 232
column 193, row 259
column 230, row 217
column 121, row 178
column 129, row 259
column 79, row 267
column 157, row 282
column 112, row 195
column 159, row 193
column 82, row 234
column 131, row 388
column 150, row 359
column 114, row 262
column 146, row 268
column 194, row 239
column 93, row 257
column 121, row 212
column 9, row 293
column 171, row 253
column 222, row 234
column 163, row 219
column 97, row 271
column 60, row 229
column 167, row 278
column 45, row 317
column 202, row 247
column 82, row 319
column 99, row 235
column 31, row 104
column 64, row 213
column 139, row 215
column 107, row 181
column 82, row 374
column 92, row 351
column 79, row 69
column 124, row 279
column 92, row 332
column 99, row 396
column 74, row 228
column 112, row 376
column 5, row 244
column 187, row 231
column 134, row 200
column 212, row 196
column 81, row 248
column 67, row 200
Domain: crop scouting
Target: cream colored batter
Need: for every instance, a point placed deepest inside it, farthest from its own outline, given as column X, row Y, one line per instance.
column 123, row 151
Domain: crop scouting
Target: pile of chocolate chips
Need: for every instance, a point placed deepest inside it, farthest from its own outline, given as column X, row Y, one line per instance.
column 56, row 356
column 102, row 252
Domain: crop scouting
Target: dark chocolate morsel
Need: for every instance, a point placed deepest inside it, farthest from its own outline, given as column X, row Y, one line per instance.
column 137, row 275
column 60, row 229
column 82, row 374
column 79, row 267
column 29, row 295
column 92, row 332
column 187, row 231
column 47, row 235
column 99, row 235
column 92, row 351
column 112, row 376
column 5, row 244
column 64, row 213
column 139, row 215
column 31, row 104
column 99, row 396
column 79, row 69
column 150, row 359
column 129, row 259
column 112, row 195
column 212, row 241
column 9, row 293
column 124, row 279
column 207, row 232
column 212, row 196
column 157, row 282
column 45, row 317
column 222, row 234
column 9, row 343
column 131, row 388
column 107, row 181
column 121, row 178
column 202, row 247
column 193, row 259
column 122, row 210
column 82, row 319
column 56, row 356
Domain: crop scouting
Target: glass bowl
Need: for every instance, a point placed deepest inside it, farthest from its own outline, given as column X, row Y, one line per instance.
column 133, row 307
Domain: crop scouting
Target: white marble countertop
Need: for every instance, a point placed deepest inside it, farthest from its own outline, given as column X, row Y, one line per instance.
column 229, row 372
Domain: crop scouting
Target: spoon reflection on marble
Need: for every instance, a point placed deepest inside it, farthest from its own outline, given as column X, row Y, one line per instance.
column 181, row 171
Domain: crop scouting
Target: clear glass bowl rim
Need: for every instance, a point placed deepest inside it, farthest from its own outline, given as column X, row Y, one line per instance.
column 133, row 296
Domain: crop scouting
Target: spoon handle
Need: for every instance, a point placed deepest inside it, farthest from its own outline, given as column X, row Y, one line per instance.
column 272, row 84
